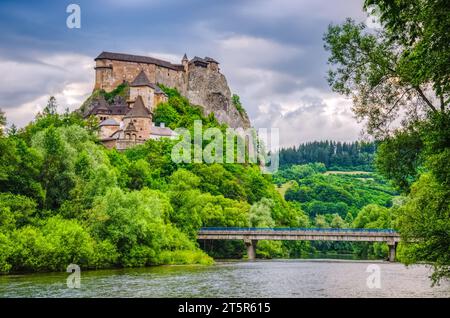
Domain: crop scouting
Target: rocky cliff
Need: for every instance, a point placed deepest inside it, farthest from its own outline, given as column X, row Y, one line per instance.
column 210, row 91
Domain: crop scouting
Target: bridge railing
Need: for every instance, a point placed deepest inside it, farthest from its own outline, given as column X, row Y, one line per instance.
column 275, row 229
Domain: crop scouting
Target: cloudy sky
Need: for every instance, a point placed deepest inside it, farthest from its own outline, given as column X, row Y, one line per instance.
column 270, row 51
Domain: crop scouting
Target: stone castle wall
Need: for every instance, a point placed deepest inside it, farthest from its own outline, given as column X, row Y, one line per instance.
column 107, row 131
column 171, row 78
column 143, row 126
column 147, row 95
column 203, row 86
column 111, row 73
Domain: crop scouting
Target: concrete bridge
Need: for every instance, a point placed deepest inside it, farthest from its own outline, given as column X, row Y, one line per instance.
column 251, row 236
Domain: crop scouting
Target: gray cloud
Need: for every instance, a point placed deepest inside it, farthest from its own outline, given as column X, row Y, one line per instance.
column 270, row 51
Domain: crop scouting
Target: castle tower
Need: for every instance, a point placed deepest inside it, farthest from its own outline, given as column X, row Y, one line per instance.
column 138, row 118
column 213, row 65
column 185, row 62
column 141, row 86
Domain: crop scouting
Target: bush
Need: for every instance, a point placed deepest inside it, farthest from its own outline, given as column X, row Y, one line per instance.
column 6, row 249
column 184, row 257
column 270, row 249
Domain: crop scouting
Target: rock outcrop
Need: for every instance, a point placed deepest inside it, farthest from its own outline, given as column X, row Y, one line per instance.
column 210, row 91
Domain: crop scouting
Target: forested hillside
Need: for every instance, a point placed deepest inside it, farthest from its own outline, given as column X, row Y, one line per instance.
column 336, row 199
column 64, row 198
column 334, row 155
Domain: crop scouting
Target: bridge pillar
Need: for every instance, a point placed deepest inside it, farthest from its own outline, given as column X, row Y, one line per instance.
column 392, row 250
column 251, row 248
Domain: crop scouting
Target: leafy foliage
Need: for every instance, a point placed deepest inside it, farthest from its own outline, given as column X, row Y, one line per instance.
column 334, row 155
column 398, row 158
column 421, row 29
column 384, row 74
column 402, row 71
column 121, row 90
column 66, row 199
column 340, row 200
column 235, row 99
column 2, row 121
column 424, row 225
column 178, row 112
column 342, row 194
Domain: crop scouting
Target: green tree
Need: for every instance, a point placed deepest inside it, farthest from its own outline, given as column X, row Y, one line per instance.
column 424, row 226
column 57, row 176
column 236, row 100
column 402, row 72
column 421, row 29
column 382, row 74
column 137, row 223
column 165, row 113
column 373, row 216
column 57, row 243
column 260, row 214
column 398, row 158
column 6, row 250
column 51, row 108
column 2, row 121
column 8, row 157
column 337, row 222
column 321, row 222
column 15, row 211
column 20, row 167
column 139, row 175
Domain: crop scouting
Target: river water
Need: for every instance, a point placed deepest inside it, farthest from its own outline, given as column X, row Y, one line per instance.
column 274, row 278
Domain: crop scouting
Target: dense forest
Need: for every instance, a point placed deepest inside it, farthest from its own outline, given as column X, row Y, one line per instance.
column 338, row 199
column 334, row 155
column 64, row 198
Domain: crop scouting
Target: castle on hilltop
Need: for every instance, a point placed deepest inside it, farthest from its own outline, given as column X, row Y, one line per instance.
column 127, row 121
column 112, row 69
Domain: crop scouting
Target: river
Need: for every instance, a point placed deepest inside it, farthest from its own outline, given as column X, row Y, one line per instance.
column 265, row 278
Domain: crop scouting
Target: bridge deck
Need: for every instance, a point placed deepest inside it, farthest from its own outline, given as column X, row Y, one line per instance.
column 304, row 234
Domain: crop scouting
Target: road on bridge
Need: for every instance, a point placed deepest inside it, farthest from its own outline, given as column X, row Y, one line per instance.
column 251, row 236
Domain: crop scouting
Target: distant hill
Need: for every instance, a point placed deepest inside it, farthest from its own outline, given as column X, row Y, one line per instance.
column 334, row 155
